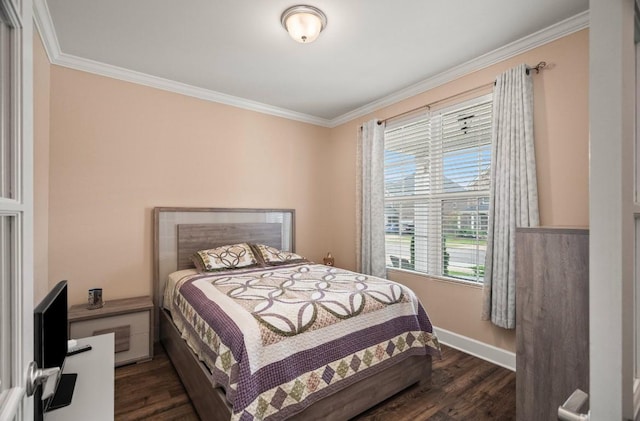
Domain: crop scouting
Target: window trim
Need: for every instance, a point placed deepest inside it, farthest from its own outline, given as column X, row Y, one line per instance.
column 436, row 259
column 16, row 340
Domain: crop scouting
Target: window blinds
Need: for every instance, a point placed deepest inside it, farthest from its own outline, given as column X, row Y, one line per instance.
column 437, row 175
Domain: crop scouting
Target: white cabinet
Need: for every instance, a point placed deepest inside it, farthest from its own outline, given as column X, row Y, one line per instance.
column 93, row 394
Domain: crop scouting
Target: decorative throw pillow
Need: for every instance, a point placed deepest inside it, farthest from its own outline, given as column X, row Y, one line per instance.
column 272, row 256
column 224, row 257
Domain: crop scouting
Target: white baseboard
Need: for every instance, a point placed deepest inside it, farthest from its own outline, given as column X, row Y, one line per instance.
column 476, row 348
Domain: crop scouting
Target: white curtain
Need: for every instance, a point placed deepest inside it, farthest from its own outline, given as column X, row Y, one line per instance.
column 514, row 191
column 370, row 258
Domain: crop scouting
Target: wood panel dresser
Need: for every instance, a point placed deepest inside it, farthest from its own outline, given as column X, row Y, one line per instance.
column 552, row 319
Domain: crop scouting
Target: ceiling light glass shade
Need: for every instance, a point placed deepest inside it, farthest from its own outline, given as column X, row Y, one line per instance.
column 304, row 23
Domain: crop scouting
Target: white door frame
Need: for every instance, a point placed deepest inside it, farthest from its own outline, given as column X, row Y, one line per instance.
column 17, row 331
column 611, row 209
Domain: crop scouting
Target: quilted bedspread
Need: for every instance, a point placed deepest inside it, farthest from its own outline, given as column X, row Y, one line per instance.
column 280, row 338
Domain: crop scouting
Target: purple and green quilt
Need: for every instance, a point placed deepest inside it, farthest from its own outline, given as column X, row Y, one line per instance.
column 280, row 338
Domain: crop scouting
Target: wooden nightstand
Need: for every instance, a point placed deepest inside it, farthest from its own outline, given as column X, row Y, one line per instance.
column 130, row 319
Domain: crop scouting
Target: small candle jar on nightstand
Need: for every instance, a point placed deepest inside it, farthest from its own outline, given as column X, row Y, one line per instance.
column 329, row 261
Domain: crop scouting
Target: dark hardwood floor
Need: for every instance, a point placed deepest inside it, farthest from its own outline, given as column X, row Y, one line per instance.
column 151, row 390
column 462, row 388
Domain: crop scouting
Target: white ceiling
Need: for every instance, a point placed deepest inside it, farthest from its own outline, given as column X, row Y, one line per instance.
column 369, row 50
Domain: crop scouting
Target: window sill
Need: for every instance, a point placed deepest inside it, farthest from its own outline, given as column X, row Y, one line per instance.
column 455, row 281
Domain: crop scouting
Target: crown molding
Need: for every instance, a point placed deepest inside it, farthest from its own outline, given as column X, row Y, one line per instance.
column 45, row 27
column 544, row 36
column 44, row 24
column 99, row 68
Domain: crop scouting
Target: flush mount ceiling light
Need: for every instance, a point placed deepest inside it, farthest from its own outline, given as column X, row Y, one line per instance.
column 304, row 23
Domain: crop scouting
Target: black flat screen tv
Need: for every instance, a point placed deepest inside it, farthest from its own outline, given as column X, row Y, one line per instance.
column 50, row 348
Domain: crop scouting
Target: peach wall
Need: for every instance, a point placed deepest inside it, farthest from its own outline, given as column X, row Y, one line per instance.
column 561, row 141
column 41, row 87
column 119, row 149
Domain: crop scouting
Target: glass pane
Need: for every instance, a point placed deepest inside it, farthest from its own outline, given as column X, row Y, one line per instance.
column 6, row 150
column 467, row 169
column 400, row 235
column 5, row 299
column 464, row 237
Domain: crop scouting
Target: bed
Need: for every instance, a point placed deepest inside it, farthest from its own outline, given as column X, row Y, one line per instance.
column 239, row 347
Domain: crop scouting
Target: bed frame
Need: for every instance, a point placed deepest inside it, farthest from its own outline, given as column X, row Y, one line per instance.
column 178, row 233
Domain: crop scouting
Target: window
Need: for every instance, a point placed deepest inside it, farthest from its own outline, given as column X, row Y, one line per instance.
column 437, row 176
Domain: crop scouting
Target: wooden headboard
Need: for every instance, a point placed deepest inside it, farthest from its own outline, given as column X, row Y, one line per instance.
column 180, row 232
column 194, row 237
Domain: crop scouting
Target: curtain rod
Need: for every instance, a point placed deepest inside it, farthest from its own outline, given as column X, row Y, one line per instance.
column 431, row 104
column 537, row 68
